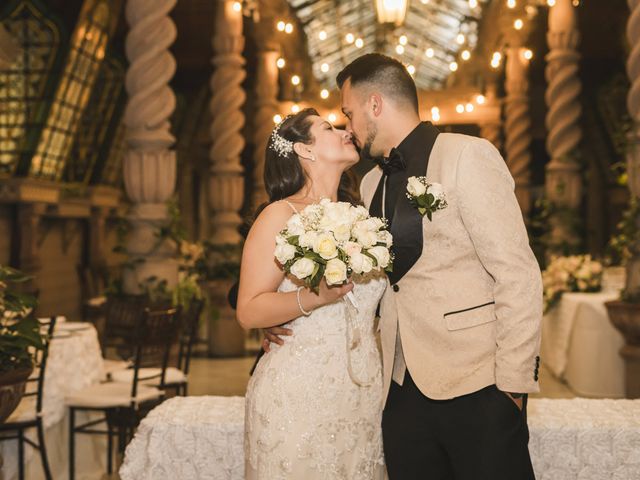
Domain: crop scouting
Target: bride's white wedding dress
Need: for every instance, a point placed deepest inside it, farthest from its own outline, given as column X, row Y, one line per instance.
column 314, row 404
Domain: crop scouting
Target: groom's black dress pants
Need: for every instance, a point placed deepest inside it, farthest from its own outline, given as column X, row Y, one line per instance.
column 480, row 436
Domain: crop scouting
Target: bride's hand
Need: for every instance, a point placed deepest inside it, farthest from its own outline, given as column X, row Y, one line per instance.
column 329, row 294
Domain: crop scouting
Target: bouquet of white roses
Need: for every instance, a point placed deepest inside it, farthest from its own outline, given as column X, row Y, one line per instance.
column 577, row 273
column 333, row 240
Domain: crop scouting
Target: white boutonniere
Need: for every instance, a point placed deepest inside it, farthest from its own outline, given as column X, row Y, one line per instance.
column 426, row 197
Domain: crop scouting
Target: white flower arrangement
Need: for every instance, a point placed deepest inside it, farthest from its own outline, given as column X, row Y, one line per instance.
column 333, row 240
column 577, row 273
column 426, row 197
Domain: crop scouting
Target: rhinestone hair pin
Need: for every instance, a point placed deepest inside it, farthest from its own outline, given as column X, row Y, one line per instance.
column 280, row 145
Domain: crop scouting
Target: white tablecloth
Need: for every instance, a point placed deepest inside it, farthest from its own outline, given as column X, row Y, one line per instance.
column 202, row 438
column 580, row 345
column 74, row 362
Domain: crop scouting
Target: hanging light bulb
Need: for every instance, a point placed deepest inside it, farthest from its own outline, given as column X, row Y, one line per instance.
column 411, row 69
column 295, row 80
column 460, row 108
column 280, row 63
column 551, row 3
column 473, row 3
column 518, row 24
column 435, row 114
column 466, row 55
column 480, row 99
column 399, row 49
column 576, row 3
column 527, row 54
column 237, row 6
column 322, row 35
column 460, row 38
column 424, row 2
column 281, row 26
column 324, row 93
column 453, row 66
column 402, row 40
column 324, row 68
column 511, row 3
column 349, row 37
column 429, row 52
column 288, row 28
column 277, row 119
column 359, row 43
column 295, row 108
column 332, row 117
column 469, row 107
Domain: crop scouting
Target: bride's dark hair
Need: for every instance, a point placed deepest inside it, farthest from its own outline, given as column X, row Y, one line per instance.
column 283, row 174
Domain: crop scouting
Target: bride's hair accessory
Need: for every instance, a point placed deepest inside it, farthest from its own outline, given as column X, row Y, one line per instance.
column 279, row 144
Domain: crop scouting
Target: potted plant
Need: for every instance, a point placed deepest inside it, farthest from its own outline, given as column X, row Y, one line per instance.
column 20, row 338
column 217, row 268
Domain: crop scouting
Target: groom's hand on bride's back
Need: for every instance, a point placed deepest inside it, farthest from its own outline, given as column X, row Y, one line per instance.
column 273, row 335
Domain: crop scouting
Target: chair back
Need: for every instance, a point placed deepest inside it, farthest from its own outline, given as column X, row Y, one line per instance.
column 122, row 317
column 155, row 333
column 35, row 383
column 189, row 333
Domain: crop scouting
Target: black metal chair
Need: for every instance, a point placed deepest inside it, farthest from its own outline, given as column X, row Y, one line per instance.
column 29, row 414
column 124, row 404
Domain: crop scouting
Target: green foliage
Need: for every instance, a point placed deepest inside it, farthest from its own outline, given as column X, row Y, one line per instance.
column 627, row 235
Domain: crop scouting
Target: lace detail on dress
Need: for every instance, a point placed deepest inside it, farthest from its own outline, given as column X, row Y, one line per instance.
column 306, row 417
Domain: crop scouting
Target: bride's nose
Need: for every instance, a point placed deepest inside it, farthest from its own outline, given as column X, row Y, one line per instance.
column 346, row 136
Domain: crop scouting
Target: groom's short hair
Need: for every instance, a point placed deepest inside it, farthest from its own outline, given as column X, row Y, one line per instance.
column 383, row 72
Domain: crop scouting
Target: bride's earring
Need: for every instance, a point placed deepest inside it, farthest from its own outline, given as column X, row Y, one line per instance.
column 313, row 158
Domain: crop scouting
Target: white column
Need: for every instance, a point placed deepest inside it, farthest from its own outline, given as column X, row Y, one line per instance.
column 149, row 164
column 226, row 186
column 563, row 177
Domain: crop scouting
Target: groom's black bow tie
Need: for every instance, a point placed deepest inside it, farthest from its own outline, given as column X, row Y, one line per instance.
column 393, row 163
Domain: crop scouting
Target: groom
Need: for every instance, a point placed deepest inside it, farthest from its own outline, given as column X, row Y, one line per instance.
column 460, row 323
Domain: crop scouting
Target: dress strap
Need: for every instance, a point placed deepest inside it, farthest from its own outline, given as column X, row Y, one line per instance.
column 291, row 205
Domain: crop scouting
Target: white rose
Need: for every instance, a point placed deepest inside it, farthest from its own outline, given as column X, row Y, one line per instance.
column 415, row 187
column 295, row 226
column 285, row 252
column 325, row 246
column 358, row 213
column 366, row 238
column 280, row 240
column 351, row 248
column 382, row 256
column 342, row 232
column 302, row 268
column 436, row 190
column 335, row 272
column 307, row 239
column 385, row 237
column 360, row 263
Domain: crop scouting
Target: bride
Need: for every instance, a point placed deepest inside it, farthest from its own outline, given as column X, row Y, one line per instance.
column 314, row 403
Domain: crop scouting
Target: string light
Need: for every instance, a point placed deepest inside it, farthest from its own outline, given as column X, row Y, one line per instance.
column 237, row 6
column 359, row 43
column 466, row 55
column 411, row 69
column 324, row 94
column 480, row 99
column 469, row 107
column 280, row 63
column 453, row 66
column 518, row 24
column 551, row 3
column 288, row 28
column 576, row 3
column 460, row 39
column 295, row 80
column 424, row 2
column 473, row 3
column 332, row 117
column 349, row 37
column 496, row 59
column 460, row 108
column 322, row 35
column 435, row 114
column 511, row 3
column 295, row 108
column 324, row 67
column 399, row 49
column 281, row 26
column 277, row 119
column 528, row 54
column 402, row 40
column 429, row 52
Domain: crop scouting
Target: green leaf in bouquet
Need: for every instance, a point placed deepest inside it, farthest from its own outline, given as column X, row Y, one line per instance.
column 294, row 240
column 430, row 198
column 429, row 215
column 422, row 210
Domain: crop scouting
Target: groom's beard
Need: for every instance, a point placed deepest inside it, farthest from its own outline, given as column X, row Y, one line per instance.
column 365, row 153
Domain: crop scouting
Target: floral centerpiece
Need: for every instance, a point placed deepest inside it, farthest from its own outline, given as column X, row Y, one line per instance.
column 576, row 273
column 333, row 240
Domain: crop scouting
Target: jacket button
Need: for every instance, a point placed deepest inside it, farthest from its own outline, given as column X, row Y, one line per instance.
column 395, row 288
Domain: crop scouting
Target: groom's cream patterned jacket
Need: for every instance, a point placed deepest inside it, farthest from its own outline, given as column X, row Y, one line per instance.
column 468, row 313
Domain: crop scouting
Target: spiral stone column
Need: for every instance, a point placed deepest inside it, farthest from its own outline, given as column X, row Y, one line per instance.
column 563, row 178
column 266, row 102
column 518, row 125
column 492, row 130
column 226, row 186
column 149, row 164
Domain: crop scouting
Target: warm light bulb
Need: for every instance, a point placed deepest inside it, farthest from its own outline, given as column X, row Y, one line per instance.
column 281, row 26
column 528, row 54
column 237, row 6
column 429, row 52
column 473, row 3
column 518, row 24
column 480, row 99
column 469, row 107
column 411, row 69
column 424, row 2
column 402, row 40
column 295, row 108
column 349, row 37
column 324, row 93
column 399, row 49
column 511, row 3
column 295, row 80
column 576, row 3
column 551, row 3
column 332, row 117
column 453, row 66
column 322, row 35
column 466, row 55
column 277, row 119
column 359, row 43
column 288, row 28
column 324, row 68
column 460, row 108
column 460, row 39
column 495, row 63
column 280, row 63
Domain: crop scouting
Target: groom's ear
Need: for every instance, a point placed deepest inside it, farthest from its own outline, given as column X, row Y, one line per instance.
column 375, row 104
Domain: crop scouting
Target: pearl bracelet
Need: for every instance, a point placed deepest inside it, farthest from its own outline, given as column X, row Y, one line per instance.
column 304, row 312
